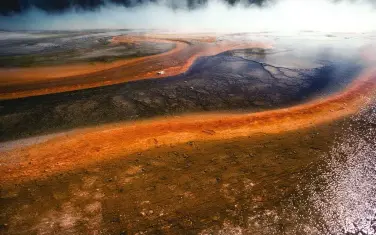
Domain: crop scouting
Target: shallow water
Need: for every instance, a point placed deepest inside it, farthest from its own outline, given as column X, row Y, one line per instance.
column 319, row 180
column 62, row 48
column 241, row 81
column 314, row 181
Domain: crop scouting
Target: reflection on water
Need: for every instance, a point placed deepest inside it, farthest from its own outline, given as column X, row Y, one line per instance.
column 334, row 194
column 348, row 201
column 316, row 181
column 241, row 80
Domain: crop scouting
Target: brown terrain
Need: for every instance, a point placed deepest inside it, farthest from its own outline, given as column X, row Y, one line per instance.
column 24, row 82
column 200, row 173
column 92, row 145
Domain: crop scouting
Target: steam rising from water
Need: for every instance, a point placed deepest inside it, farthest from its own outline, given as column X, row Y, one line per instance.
column 216, row 16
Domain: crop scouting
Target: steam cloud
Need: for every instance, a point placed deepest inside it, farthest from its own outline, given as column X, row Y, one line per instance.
column 198, row 15
column 11, row 6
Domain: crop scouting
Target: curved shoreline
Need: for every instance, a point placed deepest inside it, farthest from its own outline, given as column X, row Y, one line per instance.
column 47, row 80
column 91, row 145
column 61, row 71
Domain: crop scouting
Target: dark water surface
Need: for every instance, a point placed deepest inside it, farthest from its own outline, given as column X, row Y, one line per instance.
column 314, row 181
column 319, row 180
column 27, row 49
column 242, row 80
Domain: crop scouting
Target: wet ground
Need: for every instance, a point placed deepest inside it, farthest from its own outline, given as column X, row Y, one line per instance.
column 194, row 187
column 314, row 181
column 318, row 180
column 240, row 80
column 27, row 49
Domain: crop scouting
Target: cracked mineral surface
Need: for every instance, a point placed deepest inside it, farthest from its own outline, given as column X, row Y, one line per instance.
column 243, row 141
column 226, row 82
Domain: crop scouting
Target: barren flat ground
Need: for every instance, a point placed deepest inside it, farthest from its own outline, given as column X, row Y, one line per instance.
column 122, row 132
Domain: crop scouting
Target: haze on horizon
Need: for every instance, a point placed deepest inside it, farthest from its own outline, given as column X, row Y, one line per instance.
column 203, row 15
